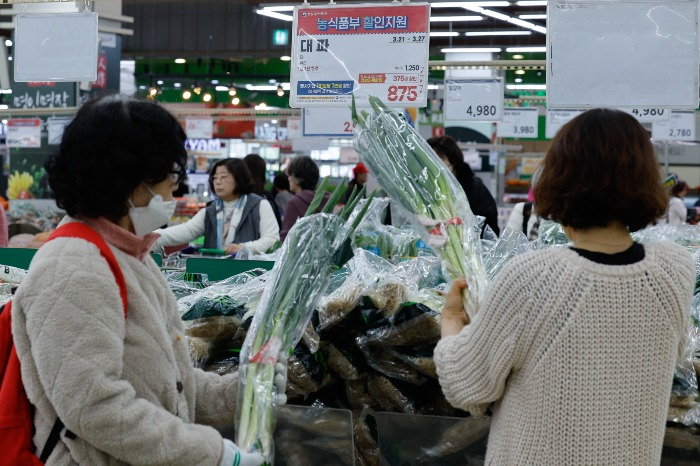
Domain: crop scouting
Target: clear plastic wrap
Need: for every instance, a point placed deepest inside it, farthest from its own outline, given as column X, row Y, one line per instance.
column 185, row 284
column 551, row 234
column 420, row 184
column 295, row 284
column 510, row 244
column 414, row 325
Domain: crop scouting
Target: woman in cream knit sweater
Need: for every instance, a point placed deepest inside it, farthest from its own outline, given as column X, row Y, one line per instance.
column 577, row 346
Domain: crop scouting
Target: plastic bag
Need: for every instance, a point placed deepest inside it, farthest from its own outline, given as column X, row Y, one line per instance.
column 511, row 243
column 414, row 325
column 185, row 284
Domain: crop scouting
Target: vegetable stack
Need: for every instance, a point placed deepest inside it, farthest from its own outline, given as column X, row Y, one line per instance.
column 414, row 177
column 314, row 247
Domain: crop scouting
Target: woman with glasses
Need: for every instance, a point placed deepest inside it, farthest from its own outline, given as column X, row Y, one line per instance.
column 237, row 219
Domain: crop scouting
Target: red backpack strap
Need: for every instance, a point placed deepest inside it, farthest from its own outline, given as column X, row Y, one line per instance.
column 84, row 231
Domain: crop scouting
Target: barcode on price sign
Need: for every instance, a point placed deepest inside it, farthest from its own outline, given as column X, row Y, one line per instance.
column 474, row 99
column 518, row 122
column 679, row 127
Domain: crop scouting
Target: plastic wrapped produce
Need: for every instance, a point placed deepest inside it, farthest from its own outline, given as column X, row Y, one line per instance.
column 414, row 325
column 419, row 183
column 510, row 244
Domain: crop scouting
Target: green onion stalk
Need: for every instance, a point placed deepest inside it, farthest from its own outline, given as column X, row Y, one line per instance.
column 415, row 178
column 313, row 249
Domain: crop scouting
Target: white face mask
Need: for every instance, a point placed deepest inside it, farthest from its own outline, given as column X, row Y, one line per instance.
column 156, row 214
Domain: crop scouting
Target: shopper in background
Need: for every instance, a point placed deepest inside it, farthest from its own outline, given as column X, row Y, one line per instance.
column 561, row 329
column 359, row 173
column 523, row 217
column 281, row 192
column 677, row 213
column 237, row 219
column 480, row 199
column 124, row 385
column 303, row 178
column 258, row 169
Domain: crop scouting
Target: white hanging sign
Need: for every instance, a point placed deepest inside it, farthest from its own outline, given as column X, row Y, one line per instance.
column 519, row 122
column 329, row 121
column 679, row 127
column 558, row 118
column 379, row 49
column 24, row 132
column 474, row 99
column 648, row 115
column 199, row 128
column 294, row 128
column 55, row 127
column 56, row 47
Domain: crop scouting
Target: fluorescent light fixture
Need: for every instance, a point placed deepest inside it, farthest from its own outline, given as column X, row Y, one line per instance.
column 221, row 88
column 177, row 85
column 526, row 49
column 279, row 8
column 5, row 91
column 518, row 57
column 542, row 16
column 159, row 82
column 286, row 58
column 527, row 87
column 444, row 19
column 274, row 14
column 4, row 107
column 443, row 34
column 143, row 88
column 252, row 87
column 506, row 18
column 180, row 61
column 528, row 25
column 519, row 71
column 497, row 33
column 532, row 3
column 215, row 81
column 471, row 50
column 518, row 80
column 463, row 4
column 433, row 87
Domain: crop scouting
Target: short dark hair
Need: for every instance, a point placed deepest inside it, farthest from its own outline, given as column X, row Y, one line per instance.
column 281, row 181
column 240, row 172
column 305, row 170
column 447, row 146
column 679, row 187
column 601, row 167
column 112, row 145
column 258, row 170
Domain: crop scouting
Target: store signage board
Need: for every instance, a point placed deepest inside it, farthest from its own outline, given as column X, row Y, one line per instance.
column 519, row 122
column 365, row 49
column 199, row 128
column 24, row 132
column 56, row 47
column 679, row 127
column 558, row 118
column 294, row 128
column 636, row 54
column 648, row 115
column 474, row 99
column 331, row 121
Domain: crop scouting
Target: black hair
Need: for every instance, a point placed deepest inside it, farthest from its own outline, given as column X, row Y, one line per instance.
column 305, row 171
column 258, row 171
column 679, row 188
column 281, row 181
column 240, row 172
column 112, row 145
column 447, row 147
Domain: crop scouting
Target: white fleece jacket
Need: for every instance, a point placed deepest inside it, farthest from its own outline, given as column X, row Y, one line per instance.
column 126, row 388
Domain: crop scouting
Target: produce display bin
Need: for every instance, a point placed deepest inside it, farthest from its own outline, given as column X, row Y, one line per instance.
column 220, row 269
column 311, row 436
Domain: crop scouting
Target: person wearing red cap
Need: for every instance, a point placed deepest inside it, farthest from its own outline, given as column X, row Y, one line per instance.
column 360, row 178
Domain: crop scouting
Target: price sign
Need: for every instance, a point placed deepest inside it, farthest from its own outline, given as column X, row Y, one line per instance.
column 558, row 118
column 199, row 128
column 518, row 122
column 24, row 132
column 329, row 121
column 679, row 127
column 474, row 99
column 379, row 50
column 648, row 115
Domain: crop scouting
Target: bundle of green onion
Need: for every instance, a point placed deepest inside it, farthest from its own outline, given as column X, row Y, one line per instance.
column 421, row 184
column 315, row 247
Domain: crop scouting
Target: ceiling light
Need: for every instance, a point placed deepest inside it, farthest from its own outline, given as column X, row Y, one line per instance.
column 159, row 82
column 443, row 34
column 231, row 91
column 471, row 50
column 462, row 4
column 518, row 56
column 221, row 88
column 542, row 16
column 236, row 101
column 519, row 71
column 152, row 92
column 286, row 58
column 252, row 87
column 518, row 80
column 274, row 122
column 215, row 81
column 532, row 3
column 526, row 49
column 280, row 91
column 186, row 94
column 527, row 87
column 527, row 24
column 180, row 61
column 502, row 17
column 433, row 87
column 261, row 106
column 279, row 8
column 178, row 85
column 4, row 122
column 8, row 43
column 197, row 89
column 9, row 58
column 497, row 33
column 206, row 97
column 143, row 88
column 438, row 19
column 274, row 14
column 4, row 107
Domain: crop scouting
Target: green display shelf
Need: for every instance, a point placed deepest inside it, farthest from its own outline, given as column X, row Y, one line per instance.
column 220, row 269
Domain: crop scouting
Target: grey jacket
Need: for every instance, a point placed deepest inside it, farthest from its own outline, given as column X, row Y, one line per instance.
column 248, row 228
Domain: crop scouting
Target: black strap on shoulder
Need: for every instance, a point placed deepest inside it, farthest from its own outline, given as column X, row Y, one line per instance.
column 527, row 211
column 53, row 439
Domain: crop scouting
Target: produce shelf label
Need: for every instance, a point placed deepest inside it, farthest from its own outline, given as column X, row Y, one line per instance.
column 474, row 99
column 519, row 122
column 366, row 49
column 679, row 127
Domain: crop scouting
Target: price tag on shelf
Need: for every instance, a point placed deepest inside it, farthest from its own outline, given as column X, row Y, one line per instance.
column 648, row 115
column 24, row 132
column 679, row 127
column 474, row 99
column 558, row 118
column 328, row 121
column 379, row 49
column 518, row 122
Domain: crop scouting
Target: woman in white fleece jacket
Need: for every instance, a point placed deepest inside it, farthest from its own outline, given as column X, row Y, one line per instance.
column 125, row 387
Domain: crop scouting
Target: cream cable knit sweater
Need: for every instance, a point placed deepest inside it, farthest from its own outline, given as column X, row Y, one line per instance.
column 578, row 357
